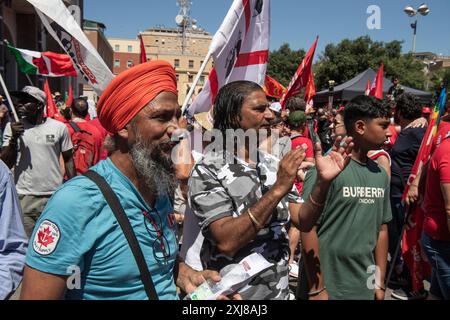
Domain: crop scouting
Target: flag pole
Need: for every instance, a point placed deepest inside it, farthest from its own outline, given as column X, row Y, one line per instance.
column 29, row 80
column 194, row 84
column 16, row 118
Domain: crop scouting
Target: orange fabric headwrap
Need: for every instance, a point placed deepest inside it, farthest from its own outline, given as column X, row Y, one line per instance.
column 132, row 90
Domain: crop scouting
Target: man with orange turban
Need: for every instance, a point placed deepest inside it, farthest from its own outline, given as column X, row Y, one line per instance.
column 78, row 249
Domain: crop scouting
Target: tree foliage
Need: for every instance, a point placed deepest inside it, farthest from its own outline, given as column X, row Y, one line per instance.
column 347, row 59
column 283, row 63
column 437, row 81
column 343, row 61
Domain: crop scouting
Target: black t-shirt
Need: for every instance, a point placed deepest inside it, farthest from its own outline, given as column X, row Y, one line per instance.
column 404, row 154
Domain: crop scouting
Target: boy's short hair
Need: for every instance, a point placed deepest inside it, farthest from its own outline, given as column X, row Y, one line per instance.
column 364, row 108
column 408, row 105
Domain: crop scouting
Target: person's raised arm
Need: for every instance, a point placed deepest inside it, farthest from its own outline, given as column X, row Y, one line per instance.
column 12, row 133
column 232, row 234
column 328, row 168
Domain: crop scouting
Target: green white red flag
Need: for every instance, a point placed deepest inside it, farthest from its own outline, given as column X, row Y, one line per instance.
column 48, row 64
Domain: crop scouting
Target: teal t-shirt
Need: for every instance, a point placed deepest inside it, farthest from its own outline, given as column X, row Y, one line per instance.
column 78, row 231
column 357, row 206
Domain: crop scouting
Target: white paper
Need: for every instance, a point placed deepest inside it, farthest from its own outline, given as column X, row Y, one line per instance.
column 234, row 277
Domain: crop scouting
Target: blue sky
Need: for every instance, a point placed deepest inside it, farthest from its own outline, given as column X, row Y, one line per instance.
column 293, row 21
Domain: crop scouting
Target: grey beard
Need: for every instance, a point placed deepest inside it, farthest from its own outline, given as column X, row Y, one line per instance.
column 154, row 167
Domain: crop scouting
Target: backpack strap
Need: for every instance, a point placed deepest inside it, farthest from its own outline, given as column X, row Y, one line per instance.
column 74, row 126
column 295, row 136
column 119, row 213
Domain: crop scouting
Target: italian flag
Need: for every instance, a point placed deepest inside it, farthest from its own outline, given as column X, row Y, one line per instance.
column 48, row 64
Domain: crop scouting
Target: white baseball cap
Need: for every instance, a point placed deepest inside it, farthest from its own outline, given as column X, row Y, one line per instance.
column 276, row 107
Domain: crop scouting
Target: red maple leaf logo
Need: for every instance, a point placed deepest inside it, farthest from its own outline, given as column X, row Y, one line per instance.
column 45, row 237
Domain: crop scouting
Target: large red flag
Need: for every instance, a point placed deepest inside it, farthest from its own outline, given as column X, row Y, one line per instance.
column 273, row 88
column 377, row 87
column 411, row 247
column 143, row 53
column 301, row 77
column 52, row 110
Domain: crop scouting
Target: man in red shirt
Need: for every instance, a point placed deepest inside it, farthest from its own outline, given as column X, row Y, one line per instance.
column 436, row 233
column 297, row 125
column 442, row 134
column 79, row 112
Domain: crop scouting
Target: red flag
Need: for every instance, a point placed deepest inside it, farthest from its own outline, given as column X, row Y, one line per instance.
column 310, row 92
column 377, row 87
column 427, row 144
column 368, row 87
column 302, row 75
column 273, row 88
column 143, row 53
column 52, row 110
column 411, row 248
column 70, row 97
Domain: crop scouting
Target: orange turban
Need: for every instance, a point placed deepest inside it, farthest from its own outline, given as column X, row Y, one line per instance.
column 132, row 90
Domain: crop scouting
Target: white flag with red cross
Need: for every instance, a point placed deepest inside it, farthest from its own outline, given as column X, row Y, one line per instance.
column 240, row 50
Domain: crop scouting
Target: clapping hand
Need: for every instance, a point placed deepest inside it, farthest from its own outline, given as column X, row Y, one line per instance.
column 330, row 166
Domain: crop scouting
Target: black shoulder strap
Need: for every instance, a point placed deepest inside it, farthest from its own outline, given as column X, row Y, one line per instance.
column 74, row 126
column 116, row 207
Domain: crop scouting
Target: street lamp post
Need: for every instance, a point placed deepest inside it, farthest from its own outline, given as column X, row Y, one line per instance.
column 411, row 12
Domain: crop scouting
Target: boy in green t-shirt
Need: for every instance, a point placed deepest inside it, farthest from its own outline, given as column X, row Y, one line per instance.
column 352, row 231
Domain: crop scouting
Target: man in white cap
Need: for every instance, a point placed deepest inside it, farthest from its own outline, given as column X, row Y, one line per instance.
column 34, row 147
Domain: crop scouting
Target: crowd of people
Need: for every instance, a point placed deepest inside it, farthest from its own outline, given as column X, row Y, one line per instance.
column 126, row 205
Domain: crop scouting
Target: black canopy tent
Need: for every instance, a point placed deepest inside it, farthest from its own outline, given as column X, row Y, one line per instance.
column 357, row 86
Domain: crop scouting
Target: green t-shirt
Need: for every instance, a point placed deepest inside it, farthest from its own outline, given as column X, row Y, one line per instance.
column 357, row 206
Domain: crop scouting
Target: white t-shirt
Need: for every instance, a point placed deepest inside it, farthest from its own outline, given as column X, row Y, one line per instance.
column 37, row 171
column 192, row 236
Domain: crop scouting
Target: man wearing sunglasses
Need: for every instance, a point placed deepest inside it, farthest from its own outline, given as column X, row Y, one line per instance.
column 33, row 147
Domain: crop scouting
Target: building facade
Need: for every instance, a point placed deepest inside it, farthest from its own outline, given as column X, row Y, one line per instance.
column 433, row 61
column 185, row 52
column 126, row 53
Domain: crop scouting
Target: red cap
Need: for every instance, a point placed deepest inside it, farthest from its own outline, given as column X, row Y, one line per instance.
column 426, row 110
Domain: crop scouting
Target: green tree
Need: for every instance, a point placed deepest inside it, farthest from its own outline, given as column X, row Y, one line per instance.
column 347, row 59
column 437, row 80
column 283, row 63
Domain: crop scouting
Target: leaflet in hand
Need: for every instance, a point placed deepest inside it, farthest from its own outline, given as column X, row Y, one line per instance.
column 233, row 276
